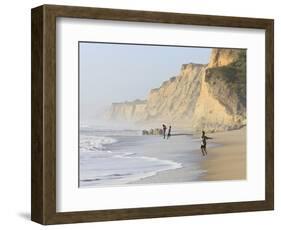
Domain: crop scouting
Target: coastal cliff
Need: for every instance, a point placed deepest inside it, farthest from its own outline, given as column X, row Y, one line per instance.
column 210, row 97
column 222, row 101
column 127, row 111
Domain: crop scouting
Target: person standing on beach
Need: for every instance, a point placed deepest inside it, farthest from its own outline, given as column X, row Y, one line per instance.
column 164, row 130
column 204, row 143
column 169, row 132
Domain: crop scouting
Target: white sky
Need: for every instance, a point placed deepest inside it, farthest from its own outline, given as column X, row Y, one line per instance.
column 119, row 72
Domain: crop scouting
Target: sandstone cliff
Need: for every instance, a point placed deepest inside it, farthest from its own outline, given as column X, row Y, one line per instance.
column 127, row 111
column 222, row 101
column 210, row 97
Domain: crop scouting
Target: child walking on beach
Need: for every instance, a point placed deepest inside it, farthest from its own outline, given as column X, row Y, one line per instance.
column 204, row 143
column 164, row 130
column 169, row 132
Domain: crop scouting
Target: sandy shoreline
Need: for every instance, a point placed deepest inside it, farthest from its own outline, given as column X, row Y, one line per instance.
column 226, row 160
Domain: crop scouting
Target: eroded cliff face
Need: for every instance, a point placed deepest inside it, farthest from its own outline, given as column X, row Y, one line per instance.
column 175, row 100
column 222, row 101
column 210, row 97
column 223, row 57
column 127, row 111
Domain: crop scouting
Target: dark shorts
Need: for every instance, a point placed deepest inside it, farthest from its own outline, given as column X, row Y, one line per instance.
column 203, row 146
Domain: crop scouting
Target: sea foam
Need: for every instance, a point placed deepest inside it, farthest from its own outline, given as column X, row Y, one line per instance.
column 101, row 165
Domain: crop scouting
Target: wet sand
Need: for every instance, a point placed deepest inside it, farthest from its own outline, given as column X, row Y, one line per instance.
column 226, row 160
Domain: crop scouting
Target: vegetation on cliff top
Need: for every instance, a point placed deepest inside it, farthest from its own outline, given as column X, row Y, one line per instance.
column 228, row 83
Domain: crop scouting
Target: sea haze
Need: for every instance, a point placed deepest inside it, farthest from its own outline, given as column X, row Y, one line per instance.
column 124, row 72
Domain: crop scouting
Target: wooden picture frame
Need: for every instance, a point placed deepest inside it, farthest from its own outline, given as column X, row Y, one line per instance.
column 43, row 189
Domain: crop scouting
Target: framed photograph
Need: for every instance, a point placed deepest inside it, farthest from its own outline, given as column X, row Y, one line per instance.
column 140, row 114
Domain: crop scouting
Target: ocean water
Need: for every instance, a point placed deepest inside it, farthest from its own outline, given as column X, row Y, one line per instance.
column 120, row 156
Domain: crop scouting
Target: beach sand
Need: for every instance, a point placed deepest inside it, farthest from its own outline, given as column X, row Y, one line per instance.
column 226, row 160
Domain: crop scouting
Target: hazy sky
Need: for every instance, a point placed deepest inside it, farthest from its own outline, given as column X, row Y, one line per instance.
column 119, row 72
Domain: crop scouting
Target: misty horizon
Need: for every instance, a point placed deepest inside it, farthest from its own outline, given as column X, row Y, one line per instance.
column 113, row 73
